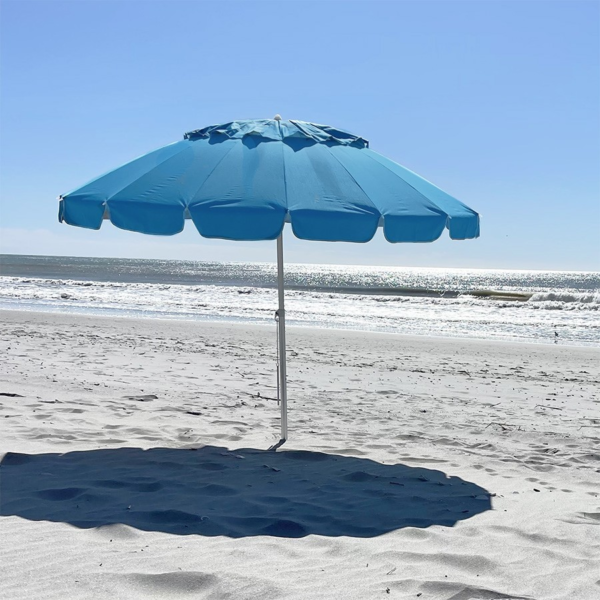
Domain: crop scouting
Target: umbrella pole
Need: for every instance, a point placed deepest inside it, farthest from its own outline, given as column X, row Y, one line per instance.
column 281, row 335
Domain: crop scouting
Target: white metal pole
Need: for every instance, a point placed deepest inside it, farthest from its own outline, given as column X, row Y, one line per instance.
column 281, row 314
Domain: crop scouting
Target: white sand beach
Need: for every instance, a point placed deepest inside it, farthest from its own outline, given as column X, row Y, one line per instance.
column 134, row 464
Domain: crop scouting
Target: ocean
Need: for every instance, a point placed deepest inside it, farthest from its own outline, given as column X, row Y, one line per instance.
column 530, row 306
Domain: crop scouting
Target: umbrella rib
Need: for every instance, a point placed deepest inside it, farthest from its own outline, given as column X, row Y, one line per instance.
column 356, row 182
column 411, row 186
column 162, row 162
column 211, row 172
column 135, row 181
column 127, row 164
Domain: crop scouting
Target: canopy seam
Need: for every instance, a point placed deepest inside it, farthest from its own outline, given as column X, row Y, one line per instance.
column 413, row 188
column 163, row 162
column 211, row 172
column 356, row 182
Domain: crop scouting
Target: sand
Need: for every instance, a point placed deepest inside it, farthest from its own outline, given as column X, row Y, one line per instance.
column 134, row 464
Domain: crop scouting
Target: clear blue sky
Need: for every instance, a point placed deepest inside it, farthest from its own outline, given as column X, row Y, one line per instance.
column 498, row 103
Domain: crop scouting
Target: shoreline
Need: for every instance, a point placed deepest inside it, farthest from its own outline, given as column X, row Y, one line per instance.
column 444, row 303
column 199, row 320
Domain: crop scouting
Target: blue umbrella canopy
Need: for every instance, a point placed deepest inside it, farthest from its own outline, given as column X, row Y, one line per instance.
column 244, row 179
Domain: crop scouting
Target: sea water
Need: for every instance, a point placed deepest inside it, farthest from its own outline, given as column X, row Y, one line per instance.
column 533, row 306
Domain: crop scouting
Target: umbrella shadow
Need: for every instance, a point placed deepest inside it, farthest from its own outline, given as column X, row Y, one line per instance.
column 213, row 491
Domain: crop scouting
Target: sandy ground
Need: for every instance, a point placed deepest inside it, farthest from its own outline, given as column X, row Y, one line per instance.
column 134, row 464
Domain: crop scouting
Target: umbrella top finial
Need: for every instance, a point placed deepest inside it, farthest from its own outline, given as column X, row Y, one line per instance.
column 277, row 117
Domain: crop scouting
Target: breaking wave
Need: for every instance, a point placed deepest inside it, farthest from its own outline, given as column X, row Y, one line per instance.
column 485, row 304
column 567, row 300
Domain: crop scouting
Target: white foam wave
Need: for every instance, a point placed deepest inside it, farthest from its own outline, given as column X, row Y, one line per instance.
column 571, row 311
column 567, row 300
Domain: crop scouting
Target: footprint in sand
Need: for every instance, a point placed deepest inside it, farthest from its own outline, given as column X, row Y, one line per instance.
column 142, row 397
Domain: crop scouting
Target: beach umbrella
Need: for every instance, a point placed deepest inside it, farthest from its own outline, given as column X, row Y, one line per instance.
column 244, row 180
